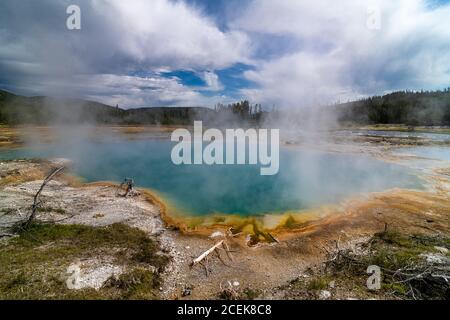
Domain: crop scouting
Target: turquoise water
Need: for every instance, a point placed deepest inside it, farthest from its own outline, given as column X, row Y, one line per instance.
column 430, row 157
column 306, row 179
column 435, row 153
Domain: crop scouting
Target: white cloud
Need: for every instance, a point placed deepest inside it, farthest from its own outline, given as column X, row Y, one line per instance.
column 168, row 33
column 116, row 37
column 339, row 57
column 130, row 91
column 320, row 51
column 212, row 81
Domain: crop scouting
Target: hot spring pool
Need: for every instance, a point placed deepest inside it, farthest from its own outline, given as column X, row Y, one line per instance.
column 434, row 153
column 306, row 179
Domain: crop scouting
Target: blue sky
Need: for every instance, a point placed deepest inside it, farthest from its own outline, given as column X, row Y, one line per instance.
column 437, row 3
column 289, row 53
column 231, row 78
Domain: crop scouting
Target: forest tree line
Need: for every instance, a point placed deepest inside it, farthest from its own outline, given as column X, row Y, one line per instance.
column 414, row 108
column 427, row 108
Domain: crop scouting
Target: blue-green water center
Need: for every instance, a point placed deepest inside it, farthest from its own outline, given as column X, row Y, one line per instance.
column 306, row 179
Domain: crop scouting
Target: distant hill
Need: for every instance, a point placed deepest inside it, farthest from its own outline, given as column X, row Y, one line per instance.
column 409, row 108
column 429, row 108
column 15, row 109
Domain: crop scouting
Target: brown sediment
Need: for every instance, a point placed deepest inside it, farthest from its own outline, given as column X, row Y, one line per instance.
column 407, row 208
column 9, row 138
column 414, row 211
column 205, row 225
column 256, row 225
column 404, row 128
column 16, row 136
column 144, row 129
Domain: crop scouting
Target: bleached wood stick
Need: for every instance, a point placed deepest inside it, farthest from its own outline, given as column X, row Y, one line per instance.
column 206, row 253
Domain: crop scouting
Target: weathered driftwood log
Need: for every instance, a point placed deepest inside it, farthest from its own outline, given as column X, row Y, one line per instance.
column 203, row 259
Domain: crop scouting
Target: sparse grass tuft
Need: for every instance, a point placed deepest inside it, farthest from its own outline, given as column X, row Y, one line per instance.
column 51, row 209
column 34, row 264
column 405, row 272
column 137, row 284
column 251, row 294
column 320, row 283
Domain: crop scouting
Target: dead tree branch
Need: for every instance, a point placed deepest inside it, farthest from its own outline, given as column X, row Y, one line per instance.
column 4, row 235
column 128, row 184
column 423, row 279
column 36, row 201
